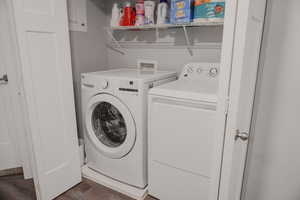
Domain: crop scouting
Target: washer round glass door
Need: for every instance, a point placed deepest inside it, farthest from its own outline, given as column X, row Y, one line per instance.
column 110, row 126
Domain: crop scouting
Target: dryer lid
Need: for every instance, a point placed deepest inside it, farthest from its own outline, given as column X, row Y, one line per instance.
column 187, row 89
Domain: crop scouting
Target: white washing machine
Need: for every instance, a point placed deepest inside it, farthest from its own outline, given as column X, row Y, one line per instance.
column 115, row 116
column 182, row 116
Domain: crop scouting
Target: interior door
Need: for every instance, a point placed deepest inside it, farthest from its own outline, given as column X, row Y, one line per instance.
column 9, row 156
column 43, row 38
column 246, row 50
column 9, row 59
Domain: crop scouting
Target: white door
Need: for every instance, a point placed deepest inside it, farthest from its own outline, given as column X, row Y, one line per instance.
column 43, row 38
column 9, row 65
column 9, row 156
column 245, row 58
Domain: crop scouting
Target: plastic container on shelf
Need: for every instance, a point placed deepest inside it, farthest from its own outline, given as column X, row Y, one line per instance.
column 129, row 14
column 162, row 12
column 140, row 13
column 149, row 12
column 209, row 10
column 115, row 15
column 181, row 11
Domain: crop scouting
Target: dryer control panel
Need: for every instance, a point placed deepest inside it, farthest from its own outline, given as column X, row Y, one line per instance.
column 200, row 71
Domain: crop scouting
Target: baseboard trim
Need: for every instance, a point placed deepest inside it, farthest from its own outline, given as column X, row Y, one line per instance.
column 11, row 172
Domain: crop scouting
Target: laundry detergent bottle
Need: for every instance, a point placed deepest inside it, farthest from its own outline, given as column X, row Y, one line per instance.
column 129, row 14
column 149, row 12
column 140, row 13
column 115, row 16
column 162, row 12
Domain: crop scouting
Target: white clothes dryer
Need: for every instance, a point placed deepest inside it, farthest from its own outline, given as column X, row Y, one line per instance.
column 114, row 106
column 182, row 117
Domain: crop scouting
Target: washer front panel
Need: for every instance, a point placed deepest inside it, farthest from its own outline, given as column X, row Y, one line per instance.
column 110, row 126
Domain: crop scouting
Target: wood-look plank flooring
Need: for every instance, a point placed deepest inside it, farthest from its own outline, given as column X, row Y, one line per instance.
column 16, row 188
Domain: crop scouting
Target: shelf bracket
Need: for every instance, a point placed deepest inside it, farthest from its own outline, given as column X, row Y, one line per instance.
column 187, row 39
column 111, row 35
column 157, row 33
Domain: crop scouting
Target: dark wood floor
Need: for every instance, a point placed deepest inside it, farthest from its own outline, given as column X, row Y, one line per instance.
column 16, row 188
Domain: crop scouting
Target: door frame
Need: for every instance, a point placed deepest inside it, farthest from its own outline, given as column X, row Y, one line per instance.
column 239, row 104
column 223, row 93
column 16, row 81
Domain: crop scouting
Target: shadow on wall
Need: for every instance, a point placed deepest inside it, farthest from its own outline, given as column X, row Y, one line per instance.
column 88, row 50
column 174, row 36
column 104, row 6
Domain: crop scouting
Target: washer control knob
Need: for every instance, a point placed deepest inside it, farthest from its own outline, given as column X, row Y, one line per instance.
column 104, row 84
column 213, row 72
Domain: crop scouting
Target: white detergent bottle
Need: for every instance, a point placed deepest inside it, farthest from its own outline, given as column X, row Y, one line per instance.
column 149, row 12
column 162, row 12
column 115, row 16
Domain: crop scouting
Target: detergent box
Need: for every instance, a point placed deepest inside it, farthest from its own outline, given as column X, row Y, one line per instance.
column 209, row 10
column 181, row 11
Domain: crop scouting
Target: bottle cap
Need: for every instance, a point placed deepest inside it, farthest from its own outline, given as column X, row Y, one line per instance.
column 127, row 4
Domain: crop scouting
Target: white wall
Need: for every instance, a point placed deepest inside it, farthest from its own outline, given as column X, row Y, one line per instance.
column 274, row 163
column 89, row 49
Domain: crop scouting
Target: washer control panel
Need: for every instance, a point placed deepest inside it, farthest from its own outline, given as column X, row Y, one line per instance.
column 195, row 71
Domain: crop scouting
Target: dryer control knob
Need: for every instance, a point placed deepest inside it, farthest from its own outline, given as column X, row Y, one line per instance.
column 104, row 84
column 213, row 72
